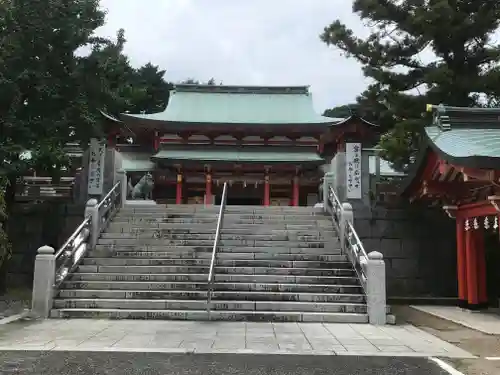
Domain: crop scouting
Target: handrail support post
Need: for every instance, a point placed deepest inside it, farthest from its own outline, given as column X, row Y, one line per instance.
column 376, row 289
column 43, row 282
column 346, row 216
column 92, row 211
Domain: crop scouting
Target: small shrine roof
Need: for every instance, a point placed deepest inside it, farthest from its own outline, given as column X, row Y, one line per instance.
column 469, row 137
column 243, row 105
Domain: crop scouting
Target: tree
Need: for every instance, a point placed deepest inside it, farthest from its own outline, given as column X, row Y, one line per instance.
column 341, row 111
column 192, row 81
column 156, row 90
column 40, row 92
column 459, row 33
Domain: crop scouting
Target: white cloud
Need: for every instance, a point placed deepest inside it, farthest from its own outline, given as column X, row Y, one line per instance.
column 257, row 42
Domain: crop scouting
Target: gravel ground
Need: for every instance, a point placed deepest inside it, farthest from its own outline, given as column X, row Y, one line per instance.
column 92, row 363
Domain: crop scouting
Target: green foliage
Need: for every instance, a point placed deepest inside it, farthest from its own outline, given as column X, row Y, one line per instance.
column 458, row 34
column 5, row 246
column 342, row 111
column 40, row 94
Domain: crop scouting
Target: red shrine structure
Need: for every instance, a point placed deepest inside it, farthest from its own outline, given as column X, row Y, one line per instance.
column 459, row 169
column 266, row 142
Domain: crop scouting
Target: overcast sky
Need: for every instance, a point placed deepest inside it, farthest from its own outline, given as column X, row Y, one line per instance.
column 254, row 42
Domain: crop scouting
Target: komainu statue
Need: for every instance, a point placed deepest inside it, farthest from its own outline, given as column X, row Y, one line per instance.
column 143, row 189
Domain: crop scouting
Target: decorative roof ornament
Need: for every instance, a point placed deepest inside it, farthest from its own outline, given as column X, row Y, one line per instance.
column 486, row 223
column 467, row 225
column 440, row 118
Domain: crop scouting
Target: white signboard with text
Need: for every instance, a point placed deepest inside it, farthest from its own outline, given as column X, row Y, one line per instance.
column 353, row 170
column 96, row 167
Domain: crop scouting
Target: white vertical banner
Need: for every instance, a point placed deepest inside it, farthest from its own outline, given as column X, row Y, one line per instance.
column 353, row 170
column 96, row 167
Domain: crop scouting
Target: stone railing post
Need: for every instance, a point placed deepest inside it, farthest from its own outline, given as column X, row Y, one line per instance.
column 346, row 215
column 122, row 177
column 327, row 182
column 43, row 282
column 93, row 211
column 375, row 288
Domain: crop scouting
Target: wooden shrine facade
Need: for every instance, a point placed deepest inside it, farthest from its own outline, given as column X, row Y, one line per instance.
column 459, row 169
column 266, row 142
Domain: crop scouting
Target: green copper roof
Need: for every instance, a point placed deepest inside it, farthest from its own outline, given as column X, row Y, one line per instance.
column 136, row 162
column 466, row 142
column 239, row 156
column 238, row 105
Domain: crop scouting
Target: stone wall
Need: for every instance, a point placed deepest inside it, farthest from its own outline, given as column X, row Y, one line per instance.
column 419, row 247
column 32, row 225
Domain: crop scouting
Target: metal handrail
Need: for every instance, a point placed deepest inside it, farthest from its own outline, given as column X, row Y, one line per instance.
column 107, row 196
column 71, row 252
column 357, row 240
column 220, row 222
column 352, row 243
column 75, row 234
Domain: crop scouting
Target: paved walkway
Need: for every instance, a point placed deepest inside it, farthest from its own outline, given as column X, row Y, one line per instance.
column 225, row 337
column 486, row 322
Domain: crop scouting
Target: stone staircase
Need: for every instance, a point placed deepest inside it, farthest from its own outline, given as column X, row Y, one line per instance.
column 273, row 263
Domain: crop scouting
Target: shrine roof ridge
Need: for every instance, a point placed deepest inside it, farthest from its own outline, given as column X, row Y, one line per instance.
column 241, row 89
column 450, row 117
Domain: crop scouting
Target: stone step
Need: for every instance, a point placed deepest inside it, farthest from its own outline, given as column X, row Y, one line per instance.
column 144, row 304
column 203, row 277
column 209, row 227
column 219, row 262
column 227, row 295
column 201, row 315
column 229, row 216
column 257, row 230
column 342, row 269
column 220, row 255
column 214, row 210
column 213, row 221
column 219, row 286
column 114, row 249
column 167, row 235
column 223, row 242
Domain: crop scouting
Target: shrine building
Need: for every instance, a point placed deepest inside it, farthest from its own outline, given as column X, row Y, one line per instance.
column 268, row 143
column 458, row 169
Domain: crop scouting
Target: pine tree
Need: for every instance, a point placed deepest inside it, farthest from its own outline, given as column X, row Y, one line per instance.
column 459, row 34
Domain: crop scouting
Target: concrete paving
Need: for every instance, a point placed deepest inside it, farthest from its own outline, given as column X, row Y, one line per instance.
column 225, row 337
column 85, row 363
column 484, row 321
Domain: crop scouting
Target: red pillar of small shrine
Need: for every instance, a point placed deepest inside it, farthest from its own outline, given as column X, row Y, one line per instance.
column 208, row 189
column 267, row 192
column 481, row 267
column 295, row 196
column 178, row 193
column 472, row 279
column 156, row 142
column 461, row 263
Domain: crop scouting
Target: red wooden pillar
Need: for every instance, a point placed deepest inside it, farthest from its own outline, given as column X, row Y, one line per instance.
column 112, row 139
column 295, row 196
column 481, row 267
column 461, row 263
column 267, row 192
column 156, row 141
column 208, row 189
column 472, row 279
column 178, row 192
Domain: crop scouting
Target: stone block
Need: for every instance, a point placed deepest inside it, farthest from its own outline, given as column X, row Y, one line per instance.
column 403, row 267
column 390, row 247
